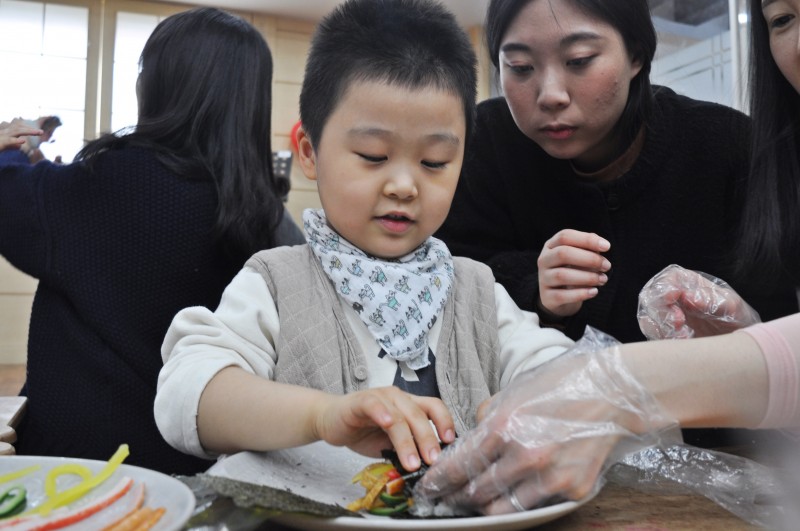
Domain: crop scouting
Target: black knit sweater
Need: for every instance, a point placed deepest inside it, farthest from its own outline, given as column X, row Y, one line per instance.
column 677, row 205
column 118, row 252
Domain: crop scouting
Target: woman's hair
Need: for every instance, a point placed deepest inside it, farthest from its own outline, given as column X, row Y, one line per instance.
column 768, row 245
column 205, row 87
column 631, row 18
column 406, row 43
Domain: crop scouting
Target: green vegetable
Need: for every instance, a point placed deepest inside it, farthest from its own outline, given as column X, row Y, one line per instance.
column 389, row 511
column 392, row 501
column 11, row 500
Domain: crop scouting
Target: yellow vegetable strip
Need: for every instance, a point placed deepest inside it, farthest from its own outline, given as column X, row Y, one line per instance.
column 19, row 473
column 69, row 468
column 71, row 494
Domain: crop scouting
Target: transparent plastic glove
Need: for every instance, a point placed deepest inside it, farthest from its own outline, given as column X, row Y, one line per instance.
column 550, row 435
column 678, row 304
column 751, row 491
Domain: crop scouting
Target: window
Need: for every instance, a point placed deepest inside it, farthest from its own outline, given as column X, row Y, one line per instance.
column 132, row 31
column 45, row 46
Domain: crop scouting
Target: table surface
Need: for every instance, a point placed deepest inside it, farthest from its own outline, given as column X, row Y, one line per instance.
column 615, row 508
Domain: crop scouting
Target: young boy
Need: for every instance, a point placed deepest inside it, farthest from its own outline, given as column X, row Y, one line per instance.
column 372, row 330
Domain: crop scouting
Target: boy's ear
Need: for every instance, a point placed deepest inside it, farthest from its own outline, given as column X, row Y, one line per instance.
column 305, row 155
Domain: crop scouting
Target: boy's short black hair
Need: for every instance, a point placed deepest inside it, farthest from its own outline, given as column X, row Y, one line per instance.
column 408, row 43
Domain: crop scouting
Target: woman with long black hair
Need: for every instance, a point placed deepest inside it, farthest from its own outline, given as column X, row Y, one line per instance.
column 145, row 223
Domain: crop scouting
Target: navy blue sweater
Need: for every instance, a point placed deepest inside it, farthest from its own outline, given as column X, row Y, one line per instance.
column 117, row 252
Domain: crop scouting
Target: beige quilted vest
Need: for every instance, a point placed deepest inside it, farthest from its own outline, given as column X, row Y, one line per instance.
column 317, row 347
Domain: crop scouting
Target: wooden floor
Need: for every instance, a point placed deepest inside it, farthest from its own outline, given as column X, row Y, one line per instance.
column 11, row 379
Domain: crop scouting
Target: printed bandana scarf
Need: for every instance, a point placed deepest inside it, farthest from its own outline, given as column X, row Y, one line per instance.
column 398, row 300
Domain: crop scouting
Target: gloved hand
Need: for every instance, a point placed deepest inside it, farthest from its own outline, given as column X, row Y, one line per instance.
column 549, row 435
column 678, row 304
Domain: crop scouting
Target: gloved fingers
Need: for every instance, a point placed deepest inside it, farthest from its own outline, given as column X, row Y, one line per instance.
column 678, row 303
column 566, row 480
column 467, row 458
column 494, row 482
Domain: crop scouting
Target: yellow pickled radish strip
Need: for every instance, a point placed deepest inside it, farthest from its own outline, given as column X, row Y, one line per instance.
column 19, row 473
column 61, row 470
column 71, row 494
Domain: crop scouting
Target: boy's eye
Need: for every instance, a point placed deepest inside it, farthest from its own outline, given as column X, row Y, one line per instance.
column 371, row 158
column 580, row 61
column 434, row 165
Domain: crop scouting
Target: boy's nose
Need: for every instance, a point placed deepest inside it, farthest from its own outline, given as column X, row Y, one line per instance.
column 401, row 185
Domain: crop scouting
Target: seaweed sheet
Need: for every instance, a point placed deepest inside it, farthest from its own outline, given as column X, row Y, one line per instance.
column 312, row 479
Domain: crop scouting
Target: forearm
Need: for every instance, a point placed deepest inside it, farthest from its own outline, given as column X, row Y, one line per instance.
column 241, row 411
column 710, row 382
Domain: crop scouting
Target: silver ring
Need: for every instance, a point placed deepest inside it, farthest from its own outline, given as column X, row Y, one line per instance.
column 515, row 502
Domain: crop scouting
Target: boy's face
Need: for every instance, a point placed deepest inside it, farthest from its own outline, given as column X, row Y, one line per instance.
column 387, row 165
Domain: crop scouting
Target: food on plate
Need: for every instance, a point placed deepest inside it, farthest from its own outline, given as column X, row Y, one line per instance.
column 68, row 507
column 12, row 500
column 388, row 487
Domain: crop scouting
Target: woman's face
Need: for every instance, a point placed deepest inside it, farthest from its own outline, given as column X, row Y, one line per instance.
column 566, row 77
column 784, row 36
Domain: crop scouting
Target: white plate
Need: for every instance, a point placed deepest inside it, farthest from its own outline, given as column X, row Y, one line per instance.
column 160, row 490
column 503, row 522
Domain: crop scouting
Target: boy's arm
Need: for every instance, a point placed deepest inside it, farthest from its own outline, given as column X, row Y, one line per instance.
column 216, row 394
column 241, row 411
column 200, row 343
column 523, row 343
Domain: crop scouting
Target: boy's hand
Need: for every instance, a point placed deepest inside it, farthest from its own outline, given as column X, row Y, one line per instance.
column 377, row 419
column 571, row 269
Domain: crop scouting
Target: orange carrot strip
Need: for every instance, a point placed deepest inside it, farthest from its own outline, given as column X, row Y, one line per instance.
column 136, row 503
column 133, row 521
column 152, row 519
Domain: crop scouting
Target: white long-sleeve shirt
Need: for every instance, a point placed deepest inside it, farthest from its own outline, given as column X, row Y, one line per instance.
column 243, row 330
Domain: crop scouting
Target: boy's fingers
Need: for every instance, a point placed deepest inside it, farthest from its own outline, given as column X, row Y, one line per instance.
column 403, row 443
column 437, row 412
column 418, row 412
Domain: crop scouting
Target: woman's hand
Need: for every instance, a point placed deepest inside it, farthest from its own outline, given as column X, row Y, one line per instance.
column 571, row 268
column 12, row 134
column 377, row 419
column 678, row 303
column 549, row 435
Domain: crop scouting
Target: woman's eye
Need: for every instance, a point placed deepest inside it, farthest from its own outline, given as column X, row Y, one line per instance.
column 434, row 165
column 781, row 21
column 520, row 69
column 580, row 61
column 370, row 158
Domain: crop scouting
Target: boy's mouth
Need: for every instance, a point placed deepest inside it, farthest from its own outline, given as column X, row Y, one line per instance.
column 395, row 222
column 396, row 217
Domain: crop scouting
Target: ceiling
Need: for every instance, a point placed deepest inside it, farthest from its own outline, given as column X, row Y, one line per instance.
column 677, row 21
column 469, row 12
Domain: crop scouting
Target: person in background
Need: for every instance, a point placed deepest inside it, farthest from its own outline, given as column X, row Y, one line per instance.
column 13, row 134
column 145, row 222
column 372, row 329
column 584, row 180
column 749, row 378
column 28, row 151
